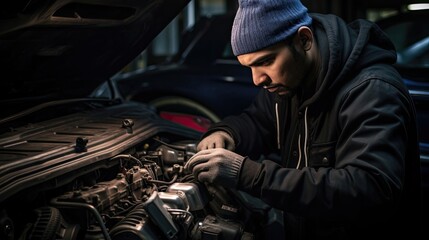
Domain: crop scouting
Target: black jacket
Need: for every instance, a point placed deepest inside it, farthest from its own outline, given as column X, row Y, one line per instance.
column 349, row 154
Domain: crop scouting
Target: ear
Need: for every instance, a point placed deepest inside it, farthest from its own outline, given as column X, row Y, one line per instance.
column 305, row 36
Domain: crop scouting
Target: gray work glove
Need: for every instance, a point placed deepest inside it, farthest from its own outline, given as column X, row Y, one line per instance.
column 217, row 165
column 218, row 139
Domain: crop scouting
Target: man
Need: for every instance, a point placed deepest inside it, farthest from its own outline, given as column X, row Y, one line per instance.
column 336, row 111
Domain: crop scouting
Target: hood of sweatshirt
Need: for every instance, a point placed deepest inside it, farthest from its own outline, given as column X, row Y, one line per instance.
column 346, row 49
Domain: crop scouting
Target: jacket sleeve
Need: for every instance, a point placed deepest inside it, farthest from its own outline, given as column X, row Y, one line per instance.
column 370, row 153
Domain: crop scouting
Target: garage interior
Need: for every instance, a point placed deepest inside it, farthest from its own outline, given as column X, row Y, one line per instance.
column 167, row 42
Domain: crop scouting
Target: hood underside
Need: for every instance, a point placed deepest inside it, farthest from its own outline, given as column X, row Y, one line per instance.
column 64, row 48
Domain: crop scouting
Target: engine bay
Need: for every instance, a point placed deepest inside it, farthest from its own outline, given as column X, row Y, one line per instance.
column 123, row 179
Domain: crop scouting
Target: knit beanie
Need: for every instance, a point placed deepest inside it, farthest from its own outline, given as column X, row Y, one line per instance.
column 261, row 23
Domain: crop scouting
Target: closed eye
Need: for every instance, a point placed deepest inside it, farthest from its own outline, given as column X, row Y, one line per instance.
column 267, row 62
column 263, row 61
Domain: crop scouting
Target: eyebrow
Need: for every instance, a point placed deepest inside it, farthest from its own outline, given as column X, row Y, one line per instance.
column 261, row 59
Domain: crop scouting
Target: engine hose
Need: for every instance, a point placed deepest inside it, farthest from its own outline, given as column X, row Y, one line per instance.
column 91, row 209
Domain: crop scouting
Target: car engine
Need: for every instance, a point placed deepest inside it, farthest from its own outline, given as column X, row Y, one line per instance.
column 131, row 186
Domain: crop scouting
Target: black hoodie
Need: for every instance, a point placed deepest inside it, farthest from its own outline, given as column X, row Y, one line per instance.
column 350, row 163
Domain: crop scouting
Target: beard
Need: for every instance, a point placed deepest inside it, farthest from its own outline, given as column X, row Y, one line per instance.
column 283, row 91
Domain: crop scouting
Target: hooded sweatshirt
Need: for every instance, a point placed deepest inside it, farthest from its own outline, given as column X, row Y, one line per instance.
column 349, row 165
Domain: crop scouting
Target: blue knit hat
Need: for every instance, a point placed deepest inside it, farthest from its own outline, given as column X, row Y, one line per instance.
column 261, row 23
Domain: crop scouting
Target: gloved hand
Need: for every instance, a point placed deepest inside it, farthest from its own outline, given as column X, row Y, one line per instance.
column 216, row 165
column 218, row 139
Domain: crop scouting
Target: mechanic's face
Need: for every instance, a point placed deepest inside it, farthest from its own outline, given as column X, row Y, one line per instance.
column 280, row 68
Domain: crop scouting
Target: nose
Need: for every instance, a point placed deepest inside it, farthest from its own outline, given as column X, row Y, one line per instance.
column 259, row 79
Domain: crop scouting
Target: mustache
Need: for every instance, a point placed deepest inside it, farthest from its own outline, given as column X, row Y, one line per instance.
column 270, row 86
column 280, row 88
column 277, row 85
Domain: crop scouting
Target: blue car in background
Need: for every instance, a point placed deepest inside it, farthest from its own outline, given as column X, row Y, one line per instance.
column 203, row 79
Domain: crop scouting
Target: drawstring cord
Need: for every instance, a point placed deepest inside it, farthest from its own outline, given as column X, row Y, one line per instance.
column 299, row 151
column 306, row 135
column 278, row 126
column 305, row 142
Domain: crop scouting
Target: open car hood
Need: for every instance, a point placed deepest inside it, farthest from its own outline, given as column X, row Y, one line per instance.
column 64, row 48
